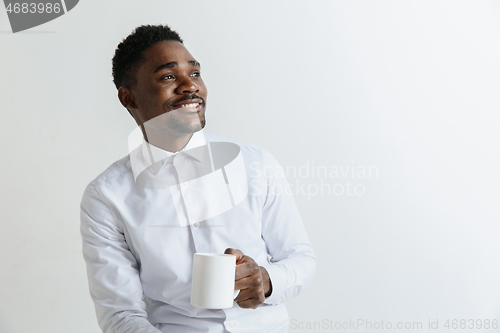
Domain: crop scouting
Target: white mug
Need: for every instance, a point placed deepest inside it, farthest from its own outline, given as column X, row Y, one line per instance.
column 213, row 281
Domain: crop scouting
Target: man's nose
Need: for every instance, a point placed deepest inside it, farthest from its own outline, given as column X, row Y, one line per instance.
column 187, row 86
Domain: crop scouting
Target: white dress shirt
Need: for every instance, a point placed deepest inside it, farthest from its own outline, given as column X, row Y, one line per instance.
column 139, row 240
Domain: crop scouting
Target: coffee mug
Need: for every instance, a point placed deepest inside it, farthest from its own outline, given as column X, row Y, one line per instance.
column 213, row 281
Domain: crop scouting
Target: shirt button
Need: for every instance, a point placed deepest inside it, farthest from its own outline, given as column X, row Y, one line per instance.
column 197, row 224
column 185, row 184
column 231, row 324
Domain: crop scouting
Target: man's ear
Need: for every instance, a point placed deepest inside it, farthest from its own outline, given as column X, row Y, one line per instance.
column 127, row 98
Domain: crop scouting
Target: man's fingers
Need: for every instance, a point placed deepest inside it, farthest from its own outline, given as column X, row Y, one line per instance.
column 250, row 282
column 250, row 304
column 249, row 299
column 247, row 269
column 243, row 295
column 235, row 252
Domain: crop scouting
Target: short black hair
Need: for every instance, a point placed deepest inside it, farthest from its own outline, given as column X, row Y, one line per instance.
column 129, row 53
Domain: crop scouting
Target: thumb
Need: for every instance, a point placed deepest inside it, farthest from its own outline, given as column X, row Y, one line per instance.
column 235, row 252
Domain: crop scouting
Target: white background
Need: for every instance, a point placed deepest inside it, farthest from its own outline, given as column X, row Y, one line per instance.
column 410, row 88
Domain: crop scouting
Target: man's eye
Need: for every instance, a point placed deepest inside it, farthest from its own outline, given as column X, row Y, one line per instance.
column 197, row 74
column 167, row 77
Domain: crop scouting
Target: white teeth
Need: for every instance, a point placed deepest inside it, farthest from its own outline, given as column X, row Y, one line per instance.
column 191, row 105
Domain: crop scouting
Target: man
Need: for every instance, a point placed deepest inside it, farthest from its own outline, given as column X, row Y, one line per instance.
column 141, row 223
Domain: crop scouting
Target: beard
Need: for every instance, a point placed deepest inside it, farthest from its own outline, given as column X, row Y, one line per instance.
column 173, row 124
column 181, row 124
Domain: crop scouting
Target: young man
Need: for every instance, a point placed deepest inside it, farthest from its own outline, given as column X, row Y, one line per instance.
column 185, row 191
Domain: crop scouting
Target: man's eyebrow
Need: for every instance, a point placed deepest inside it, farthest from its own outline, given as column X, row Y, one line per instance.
column 175, row 64
column 167, row 65
column 194, row 63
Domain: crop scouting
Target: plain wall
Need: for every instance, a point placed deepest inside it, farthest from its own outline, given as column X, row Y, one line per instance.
column 397, row 100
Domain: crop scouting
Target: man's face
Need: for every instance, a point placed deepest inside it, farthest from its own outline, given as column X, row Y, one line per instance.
column 169, row 94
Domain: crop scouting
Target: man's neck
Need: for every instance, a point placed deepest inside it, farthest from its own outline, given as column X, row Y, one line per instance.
column 168, row 142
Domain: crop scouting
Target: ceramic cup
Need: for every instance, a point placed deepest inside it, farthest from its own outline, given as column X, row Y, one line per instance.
column 213, row 281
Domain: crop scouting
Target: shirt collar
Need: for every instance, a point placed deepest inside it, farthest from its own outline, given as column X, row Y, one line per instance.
column 147, row 154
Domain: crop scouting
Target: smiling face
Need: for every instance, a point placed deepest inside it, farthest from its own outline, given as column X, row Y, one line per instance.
column 169, row 96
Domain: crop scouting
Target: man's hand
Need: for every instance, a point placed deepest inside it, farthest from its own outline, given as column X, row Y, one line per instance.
column 252, row 280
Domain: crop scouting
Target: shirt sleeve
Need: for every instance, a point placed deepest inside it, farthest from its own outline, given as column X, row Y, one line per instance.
column 292, row 265
column 112, row 270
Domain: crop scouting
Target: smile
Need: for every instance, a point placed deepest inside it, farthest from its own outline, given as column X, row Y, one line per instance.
column 190, row 105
